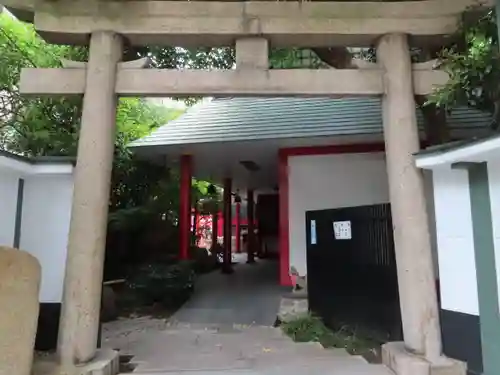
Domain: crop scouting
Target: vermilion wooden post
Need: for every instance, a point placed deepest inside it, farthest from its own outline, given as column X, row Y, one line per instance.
column 185, row 206
column 284, row 243
column 226, row 265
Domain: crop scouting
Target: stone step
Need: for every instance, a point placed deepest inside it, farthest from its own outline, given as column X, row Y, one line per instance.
column 232, row 361
column 249, row 341
column 225, row 342
column 241, row 351
column 309, row 369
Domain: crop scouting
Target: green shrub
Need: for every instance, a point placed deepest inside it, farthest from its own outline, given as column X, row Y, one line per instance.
column 167, row 284
column 306, row 328
column 310, row 328
column 203, row 260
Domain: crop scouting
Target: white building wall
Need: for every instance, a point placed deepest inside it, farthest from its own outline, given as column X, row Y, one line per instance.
column 457, row 265
column 319, row 182
column 494, row 182
column 45, row 227
column 9, row 181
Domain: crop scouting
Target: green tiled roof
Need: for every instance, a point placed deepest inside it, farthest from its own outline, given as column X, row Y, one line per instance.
column 237, row 119
column 457, row 145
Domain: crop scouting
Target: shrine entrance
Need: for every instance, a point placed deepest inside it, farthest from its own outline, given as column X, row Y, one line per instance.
column 392, row 28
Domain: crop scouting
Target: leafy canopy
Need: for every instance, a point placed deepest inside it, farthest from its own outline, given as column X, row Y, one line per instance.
column 49, row 125
column 473, row 64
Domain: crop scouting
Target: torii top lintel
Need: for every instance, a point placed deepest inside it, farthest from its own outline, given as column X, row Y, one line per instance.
column 220, row 23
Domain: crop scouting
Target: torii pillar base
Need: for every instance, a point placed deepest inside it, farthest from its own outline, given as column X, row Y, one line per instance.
column 105, row 362
column 402, row 362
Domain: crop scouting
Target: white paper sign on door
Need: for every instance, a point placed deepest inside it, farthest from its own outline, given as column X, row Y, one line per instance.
column 342, row 230
column 313, row 232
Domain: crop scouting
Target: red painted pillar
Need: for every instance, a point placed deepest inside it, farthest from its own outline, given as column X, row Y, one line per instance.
column 251, row 228
column 237, row 224
column 284, row 241
column 185, row 206
column 226, row 265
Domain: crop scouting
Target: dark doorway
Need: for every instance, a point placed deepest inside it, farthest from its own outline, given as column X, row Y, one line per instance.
column 352, row 277
column 267, row 214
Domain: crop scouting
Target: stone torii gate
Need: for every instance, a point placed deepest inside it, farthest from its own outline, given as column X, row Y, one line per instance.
column 251, row 26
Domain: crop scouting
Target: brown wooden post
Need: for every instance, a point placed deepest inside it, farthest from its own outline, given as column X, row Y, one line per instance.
column 226, row 264
column 238, row 224
column 251, row 227
column 185, row 207
column 215, row 230
column 195, row 228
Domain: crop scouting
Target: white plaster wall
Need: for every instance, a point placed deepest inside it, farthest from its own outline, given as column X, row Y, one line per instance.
column 320, row 182
column 8, row 205
column 457, row 265
column 45, row 228
column 494, row 182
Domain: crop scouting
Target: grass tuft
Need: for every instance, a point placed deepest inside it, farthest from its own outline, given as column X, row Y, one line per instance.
column 310, row 328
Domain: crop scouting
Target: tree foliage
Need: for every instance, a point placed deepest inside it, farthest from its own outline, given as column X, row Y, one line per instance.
column 49, row 126
column 473, row 64
column 27, row 124
column 144, row 196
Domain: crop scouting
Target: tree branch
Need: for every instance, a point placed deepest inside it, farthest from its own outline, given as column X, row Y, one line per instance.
column 336, row 57
column 435, row 121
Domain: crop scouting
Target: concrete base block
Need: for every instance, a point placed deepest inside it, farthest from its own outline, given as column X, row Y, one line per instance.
column 399, row 360
column 106, row 362
column 292, row 306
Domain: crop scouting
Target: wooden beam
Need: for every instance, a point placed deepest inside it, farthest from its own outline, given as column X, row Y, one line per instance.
column 219, row 23
column 164, row 83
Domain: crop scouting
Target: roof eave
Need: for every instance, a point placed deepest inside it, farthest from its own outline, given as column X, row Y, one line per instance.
column 37, row 165
column 474, row 151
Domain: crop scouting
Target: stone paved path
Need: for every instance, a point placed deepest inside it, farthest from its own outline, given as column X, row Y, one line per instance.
column 225, row 329
column 251, row 295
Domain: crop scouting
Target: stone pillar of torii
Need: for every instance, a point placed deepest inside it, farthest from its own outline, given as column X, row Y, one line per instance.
column 251, row 26
column 416, row 279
